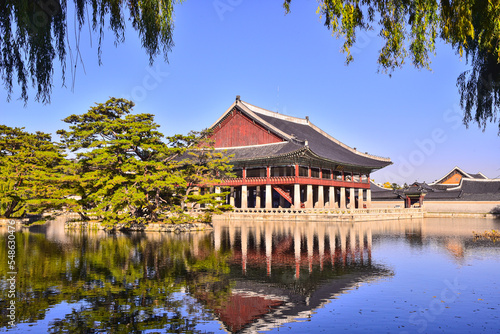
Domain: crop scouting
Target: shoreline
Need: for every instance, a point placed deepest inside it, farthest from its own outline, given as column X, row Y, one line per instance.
column 261, row 215
column 154, row 227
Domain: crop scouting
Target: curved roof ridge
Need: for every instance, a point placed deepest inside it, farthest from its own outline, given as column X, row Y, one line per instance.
column 464, row 180
column 270, row 113
column 248, row 146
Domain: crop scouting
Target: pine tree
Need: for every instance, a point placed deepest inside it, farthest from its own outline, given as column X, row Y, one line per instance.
column 33, row 173
column 127, row 173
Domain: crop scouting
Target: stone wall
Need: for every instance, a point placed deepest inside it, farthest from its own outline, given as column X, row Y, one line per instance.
column 460, row 206
column 479, row 207
column 388, row 204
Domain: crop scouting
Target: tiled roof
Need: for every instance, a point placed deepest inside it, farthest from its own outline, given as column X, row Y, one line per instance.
column 318, row 141
column 479, row 176
column 468, row 190
column 381, row 193
column 488, row 190
column 262, row 151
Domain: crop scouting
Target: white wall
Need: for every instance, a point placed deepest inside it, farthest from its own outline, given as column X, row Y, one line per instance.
column 460, row 206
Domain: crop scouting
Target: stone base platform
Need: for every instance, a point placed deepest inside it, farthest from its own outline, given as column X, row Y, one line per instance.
column 320, row 215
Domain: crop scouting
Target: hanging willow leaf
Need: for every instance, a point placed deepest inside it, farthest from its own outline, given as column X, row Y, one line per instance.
column 33, row 33
column 410, row 28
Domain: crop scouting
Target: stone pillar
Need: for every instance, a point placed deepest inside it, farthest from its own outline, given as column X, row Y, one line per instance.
column 269, row 197
column 352, row 201
column 321, row 197
column 342, row 198
column 360, row 198
column 231, row 197
column 331, row 195
column 309, row 202
column 244, row 197
column 217, row 191
column 296, row 196
column 368, row 198
column 257, row 197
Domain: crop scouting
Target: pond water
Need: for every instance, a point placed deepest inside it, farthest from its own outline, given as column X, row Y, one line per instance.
column 412, row 276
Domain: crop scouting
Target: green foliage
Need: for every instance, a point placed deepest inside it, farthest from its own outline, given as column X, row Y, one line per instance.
column 32, row 170
column 202, row 166
column 395, row 186
column 128, row 174
column 34, row 33
column 410, row 28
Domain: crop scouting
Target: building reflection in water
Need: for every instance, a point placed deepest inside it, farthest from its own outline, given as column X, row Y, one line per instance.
column 298, row 245
column 282, row 272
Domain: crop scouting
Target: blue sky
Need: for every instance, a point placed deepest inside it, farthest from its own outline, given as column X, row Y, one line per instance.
column 286, row 63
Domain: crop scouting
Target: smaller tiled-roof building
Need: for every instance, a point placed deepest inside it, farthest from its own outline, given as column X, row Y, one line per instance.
column 453, row 177
column 456, row 191
column 284, row 161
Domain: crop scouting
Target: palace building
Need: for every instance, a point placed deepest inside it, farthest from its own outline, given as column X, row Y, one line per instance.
column 456, row 191
column 288, row 162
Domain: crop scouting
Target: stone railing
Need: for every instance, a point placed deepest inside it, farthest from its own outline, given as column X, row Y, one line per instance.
column 328, row 211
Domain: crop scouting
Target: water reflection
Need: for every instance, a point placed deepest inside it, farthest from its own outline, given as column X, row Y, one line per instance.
column 241, row 277
column 127, row 283
column 282, row 272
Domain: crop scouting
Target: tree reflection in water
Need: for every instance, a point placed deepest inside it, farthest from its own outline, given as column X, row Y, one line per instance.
column 128, row 283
